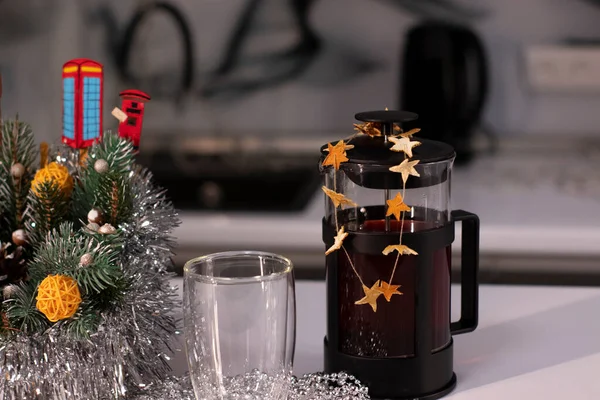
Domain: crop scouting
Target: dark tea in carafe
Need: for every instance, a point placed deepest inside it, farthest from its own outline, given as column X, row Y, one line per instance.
column 391, row 331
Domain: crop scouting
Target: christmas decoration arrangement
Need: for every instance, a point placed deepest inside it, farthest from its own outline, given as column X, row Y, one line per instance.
column 85, row 250
column 84, row 257
column 336, row 155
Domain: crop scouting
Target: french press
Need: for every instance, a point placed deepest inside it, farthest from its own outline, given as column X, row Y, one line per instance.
column 388, row 230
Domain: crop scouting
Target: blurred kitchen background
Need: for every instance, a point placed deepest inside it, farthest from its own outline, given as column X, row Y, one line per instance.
column 244, row 92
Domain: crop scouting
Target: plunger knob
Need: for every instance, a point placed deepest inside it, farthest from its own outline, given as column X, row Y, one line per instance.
column 387, row 119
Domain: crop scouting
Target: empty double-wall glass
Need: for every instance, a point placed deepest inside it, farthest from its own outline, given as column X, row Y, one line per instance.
column 239, row 310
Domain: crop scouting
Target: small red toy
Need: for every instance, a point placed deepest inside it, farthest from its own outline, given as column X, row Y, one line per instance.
column 133, row 105
column 83, row 84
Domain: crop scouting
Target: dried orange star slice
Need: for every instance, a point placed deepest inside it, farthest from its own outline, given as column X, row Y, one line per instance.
column 404, row 145
column 336, row 156
column 338, row 199
column 400, row 248
column 410, row 133
column 388, row 290
column 338, row 241
column 372, row 129
column 406, row 168
column 396, row 206
column 371, row 295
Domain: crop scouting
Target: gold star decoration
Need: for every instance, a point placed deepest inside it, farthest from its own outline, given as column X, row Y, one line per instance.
column 368, row 128
column 396, row 206
column 338, row 199
column 346, row 147
column 406, row 168
column 404, row 145
column 400, row 248
column 371, row 295
column 337, row 154
column 409, row 134
column 388, row 290
column 339, row 239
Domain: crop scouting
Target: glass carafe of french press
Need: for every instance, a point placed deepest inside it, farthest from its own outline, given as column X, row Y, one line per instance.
column 388, row 230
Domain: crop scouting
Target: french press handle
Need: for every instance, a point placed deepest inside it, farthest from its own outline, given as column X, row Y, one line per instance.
column 469, row 308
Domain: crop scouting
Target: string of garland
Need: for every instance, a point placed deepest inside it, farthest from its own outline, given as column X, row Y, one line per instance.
column 395, row 207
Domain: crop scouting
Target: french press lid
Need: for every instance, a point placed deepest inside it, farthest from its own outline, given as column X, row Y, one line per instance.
column 370, row 158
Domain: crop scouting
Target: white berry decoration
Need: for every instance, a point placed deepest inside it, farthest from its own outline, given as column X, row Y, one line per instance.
column 19, row 237
column 101, row 166
column 9, row 291
column 94, row 216
column 86, row 260
column 107, row 229
column 17, row 170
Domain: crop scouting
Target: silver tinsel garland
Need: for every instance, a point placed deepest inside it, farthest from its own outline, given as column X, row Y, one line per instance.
column 127, row 357
column 315, row 386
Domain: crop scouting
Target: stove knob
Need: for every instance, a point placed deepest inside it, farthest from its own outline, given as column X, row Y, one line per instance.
column 210, row 195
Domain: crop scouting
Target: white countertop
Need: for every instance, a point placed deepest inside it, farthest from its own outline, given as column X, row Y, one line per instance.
column 531, row 343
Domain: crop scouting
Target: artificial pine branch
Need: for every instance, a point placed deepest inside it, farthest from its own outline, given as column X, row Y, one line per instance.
column 118, row 153
column 84, row 322
column 21, row 311
column 17, row 181
column 6, row 328
column 61, row 253
column 101, row 282
column 17, row 148
column 46, row 209
column 114, row 204
column 108, row 191
column 0, row 112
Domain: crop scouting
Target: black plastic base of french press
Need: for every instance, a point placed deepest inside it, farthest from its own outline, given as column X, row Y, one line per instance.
column 446, row 390
column 428, row 377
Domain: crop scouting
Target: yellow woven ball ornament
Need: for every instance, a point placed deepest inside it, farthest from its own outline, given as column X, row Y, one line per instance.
column 58, row 297
column 56, row 173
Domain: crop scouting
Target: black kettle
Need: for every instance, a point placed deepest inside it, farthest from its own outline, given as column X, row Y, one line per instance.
column 445, row 81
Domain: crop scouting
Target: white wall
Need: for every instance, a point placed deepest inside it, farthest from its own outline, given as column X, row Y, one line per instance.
column 321, row 100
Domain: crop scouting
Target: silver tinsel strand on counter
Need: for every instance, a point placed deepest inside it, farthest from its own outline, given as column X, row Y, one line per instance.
column 317, row 386
column 127, row 357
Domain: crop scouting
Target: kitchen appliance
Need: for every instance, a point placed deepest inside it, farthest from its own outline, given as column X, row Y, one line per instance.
column 445, row 80
column 402, row 348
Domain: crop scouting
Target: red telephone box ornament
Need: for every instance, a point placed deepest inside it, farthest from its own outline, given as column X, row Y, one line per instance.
column 133, row 105
column 83, row 83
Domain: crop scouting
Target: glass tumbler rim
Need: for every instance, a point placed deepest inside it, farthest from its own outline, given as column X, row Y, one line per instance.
column 188, row 272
